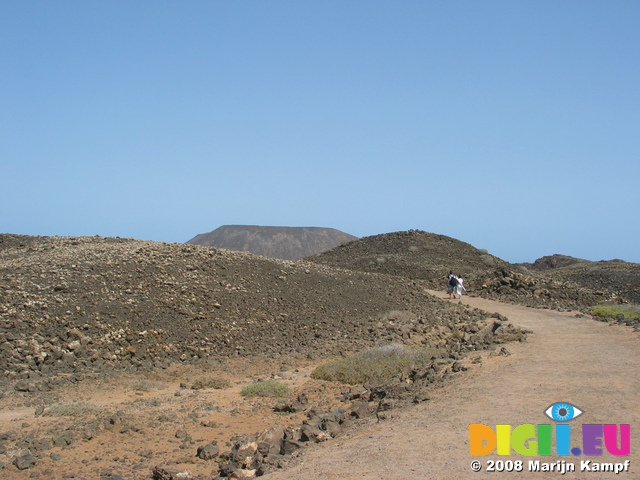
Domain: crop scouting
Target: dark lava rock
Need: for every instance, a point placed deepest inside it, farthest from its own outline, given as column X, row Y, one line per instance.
column 208, row 452
column 24, row 462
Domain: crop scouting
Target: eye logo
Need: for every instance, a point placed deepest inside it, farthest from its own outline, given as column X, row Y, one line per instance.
column 562, row 412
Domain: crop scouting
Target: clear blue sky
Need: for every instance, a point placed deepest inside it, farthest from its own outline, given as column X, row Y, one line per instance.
column 511, row 125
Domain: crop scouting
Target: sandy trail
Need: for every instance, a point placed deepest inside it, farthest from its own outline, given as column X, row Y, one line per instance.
column 587, row 363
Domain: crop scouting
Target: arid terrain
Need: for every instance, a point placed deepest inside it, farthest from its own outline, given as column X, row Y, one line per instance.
column 566, row 358
column 106, row 346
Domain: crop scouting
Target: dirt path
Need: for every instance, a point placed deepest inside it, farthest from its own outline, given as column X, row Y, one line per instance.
column 566, row 359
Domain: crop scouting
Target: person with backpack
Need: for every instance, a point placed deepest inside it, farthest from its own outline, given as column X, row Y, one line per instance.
column 452, row 283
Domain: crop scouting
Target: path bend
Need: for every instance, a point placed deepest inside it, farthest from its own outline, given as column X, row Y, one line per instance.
column 590, row 364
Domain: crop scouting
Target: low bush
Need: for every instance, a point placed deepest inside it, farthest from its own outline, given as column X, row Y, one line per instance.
column 217, row 383
column 270, row 388
column 612, row 311
column 143, row 385
column 376, row 365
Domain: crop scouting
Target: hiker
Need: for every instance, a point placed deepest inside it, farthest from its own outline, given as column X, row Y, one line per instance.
column 452, row 283
column 460, row 287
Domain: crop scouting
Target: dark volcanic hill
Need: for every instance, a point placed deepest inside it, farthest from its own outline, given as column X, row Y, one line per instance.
column 414, row 254
column 556, row 281
column 286, row 243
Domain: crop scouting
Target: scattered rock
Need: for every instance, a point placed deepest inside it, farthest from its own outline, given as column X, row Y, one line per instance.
column 24, row 462
column 166, row 473
column 208, row 451
column 288, row 407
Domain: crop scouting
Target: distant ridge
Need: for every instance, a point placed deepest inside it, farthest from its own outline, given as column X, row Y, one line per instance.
column 553, row 261
column 286, row 243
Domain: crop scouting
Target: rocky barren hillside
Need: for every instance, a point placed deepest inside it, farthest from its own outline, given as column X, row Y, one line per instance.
column 558, row 282
column 91, row 303
column 77, row 310
column 617, row 279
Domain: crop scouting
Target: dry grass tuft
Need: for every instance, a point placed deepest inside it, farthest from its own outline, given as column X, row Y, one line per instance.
column 376, row 365
column 217, row 383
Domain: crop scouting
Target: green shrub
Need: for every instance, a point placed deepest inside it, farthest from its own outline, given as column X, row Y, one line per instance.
column 376, row 365
column 270, row 388
column 217, row 383
column 605, row 311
